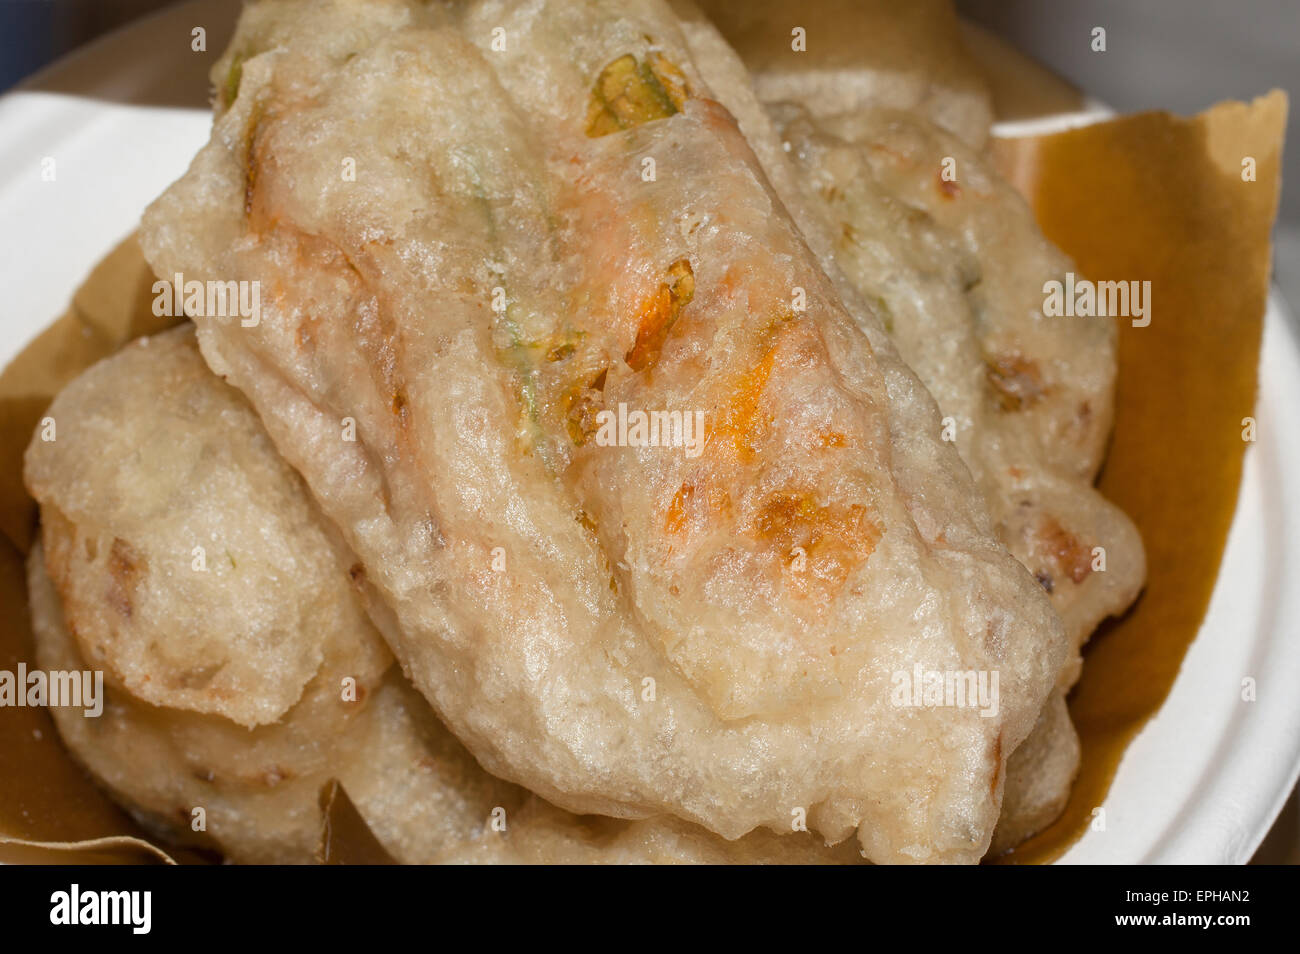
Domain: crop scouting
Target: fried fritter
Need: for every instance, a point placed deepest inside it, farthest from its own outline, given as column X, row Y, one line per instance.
column 1041, row 770
column 551, row 222
column 422, row 794
column 251, row 793
column 184, row 603
column 1039, row 774
column 150, row 444
column 959, row 267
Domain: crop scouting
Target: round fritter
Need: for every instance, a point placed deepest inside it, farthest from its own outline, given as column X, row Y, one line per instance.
column 257, row 789
column 184, row 602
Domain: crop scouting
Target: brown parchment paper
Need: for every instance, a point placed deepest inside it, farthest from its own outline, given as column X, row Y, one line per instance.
column 1146, row 197
column 345, row 838
column 1157, row 198
column 45, row 799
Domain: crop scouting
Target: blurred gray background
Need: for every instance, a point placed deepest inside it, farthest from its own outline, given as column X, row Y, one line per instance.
column 1180, row 55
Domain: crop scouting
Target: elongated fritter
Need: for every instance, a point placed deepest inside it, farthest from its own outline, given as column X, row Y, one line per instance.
column 959, row 266
column 948, row 257
column 916, row 276
column 481, row 234
column 149, row 445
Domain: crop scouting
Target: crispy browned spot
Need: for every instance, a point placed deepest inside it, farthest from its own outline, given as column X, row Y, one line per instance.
column 628, row 93
column 947, row 188
column 250, row 193
column 835, row 538
column 200, row 677
column 581, row 416
column 1068, row 555
column 124, row 567
column 1015, row 380
column 1083, row 418
column 659, row 313
column 304, row 334
column 581, row 405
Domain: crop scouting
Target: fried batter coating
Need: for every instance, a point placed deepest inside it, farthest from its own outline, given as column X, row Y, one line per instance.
column 152, row 458
column 954, row 268
column 256, row 789
column 959, row 267
column 183, row 602
column 946, row 287
column 148, row 443
column 422, row 794
column 1041, row 770
column 1039, row 774
column 628, row 630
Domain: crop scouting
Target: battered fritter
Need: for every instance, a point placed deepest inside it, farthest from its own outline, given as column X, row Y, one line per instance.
column 765, row 592
column 150, row 445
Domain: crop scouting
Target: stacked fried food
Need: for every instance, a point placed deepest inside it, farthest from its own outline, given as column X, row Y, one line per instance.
column 380, row 534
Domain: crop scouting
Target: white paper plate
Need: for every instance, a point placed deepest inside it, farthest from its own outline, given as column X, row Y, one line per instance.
column 1202, row 782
